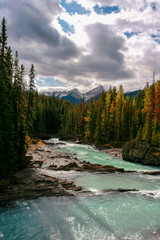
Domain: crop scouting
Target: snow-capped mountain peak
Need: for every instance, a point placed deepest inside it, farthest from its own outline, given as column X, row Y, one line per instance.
column 94, row 92
column 75, row 93
column 75, row 96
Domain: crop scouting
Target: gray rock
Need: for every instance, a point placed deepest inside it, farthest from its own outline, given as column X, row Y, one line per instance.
column 141, row 152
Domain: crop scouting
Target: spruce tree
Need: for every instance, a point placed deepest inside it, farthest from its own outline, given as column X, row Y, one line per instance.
column 31, row 102
column 8, row 155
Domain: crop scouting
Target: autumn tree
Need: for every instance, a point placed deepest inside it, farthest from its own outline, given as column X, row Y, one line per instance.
column 120, row 101
column 156, row 118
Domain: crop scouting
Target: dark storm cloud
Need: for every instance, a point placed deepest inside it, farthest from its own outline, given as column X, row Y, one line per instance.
column 30, row 23
column 105, row 61
column 30, row 32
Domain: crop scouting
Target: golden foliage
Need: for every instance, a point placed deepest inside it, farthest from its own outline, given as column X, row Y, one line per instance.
column 31, row 146
column 40, row 143
column 28, row 142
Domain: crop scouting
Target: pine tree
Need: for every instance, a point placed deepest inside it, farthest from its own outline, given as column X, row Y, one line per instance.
column 19, row 109
column 156, row 119
column 120, row 101
column 149, row 105
column 31, row 102
column 82, row 119
column 106, row 118
column 8, row 155
column 90, row 122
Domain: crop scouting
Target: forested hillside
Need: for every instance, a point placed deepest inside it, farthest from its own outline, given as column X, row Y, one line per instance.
column 114, row 119
column 110, row 119
column 16, row 108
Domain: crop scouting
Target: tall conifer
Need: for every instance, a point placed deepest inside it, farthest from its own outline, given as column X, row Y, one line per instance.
column 8, row 153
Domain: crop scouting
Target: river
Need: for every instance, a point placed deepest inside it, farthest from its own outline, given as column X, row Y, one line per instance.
column 97, row 216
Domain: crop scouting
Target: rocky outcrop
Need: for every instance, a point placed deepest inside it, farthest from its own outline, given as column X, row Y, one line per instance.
column 114, row 152
column 29, row 184
column 62, row 161
column 87, row 167
column 141, row 152
column 33, row 182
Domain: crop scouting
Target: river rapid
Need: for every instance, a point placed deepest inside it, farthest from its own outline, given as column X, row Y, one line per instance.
column 101, row 215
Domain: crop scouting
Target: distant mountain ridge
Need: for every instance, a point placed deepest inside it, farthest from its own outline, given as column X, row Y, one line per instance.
column 132, row 94
column 75, row 96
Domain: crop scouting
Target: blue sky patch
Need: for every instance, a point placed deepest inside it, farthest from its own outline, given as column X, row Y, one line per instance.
column 156, row 38
column 153, row 6
column 130, row 34
column 74, row 7
column 106, row 10
column 67, row 28
column 50, row 82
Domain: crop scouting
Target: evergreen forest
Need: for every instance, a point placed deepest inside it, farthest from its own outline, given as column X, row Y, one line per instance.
column 24, row 113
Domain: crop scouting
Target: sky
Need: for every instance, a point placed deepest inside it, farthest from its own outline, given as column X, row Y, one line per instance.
column 83, row 44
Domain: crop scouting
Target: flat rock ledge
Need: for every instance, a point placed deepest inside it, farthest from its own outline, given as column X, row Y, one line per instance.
column 29, row 184
column 86, row 167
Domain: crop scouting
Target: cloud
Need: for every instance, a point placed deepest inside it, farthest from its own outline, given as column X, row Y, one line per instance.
column 103, row 62
column 106, row 60
column 82, row 48
column 31, row 32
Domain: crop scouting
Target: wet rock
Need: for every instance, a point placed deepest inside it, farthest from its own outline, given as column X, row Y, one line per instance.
column 114, row 152
column 120, row 190
column 141, row 152
column 70, row 166
column 29, row 185
column 154, row 173
column 99, row 168
column 85, row 167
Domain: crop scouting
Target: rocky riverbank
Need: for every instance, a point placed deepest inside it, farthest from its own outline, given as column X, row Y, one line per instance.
column 114, row 152
column 31, row 183
column 34, row 181
column 61, row 161
column 141, row 152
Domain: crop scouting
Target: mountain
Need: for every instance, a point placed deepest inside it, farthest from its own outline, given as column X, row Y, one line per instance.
column 76, row 97
column 132, row 94
column 93, row 93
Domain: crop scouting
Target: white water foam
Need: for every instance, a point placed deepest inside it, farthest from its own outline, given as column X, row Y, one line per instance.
column 68, row 144
column 148, row 193
column 52, row 140
column 60, row 174
column 95, row 191
column 151, row 177
column 1, row 235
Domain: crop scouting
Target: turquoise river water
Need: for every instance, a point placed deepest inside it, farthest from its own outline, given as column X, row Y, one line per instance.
column 97, row 216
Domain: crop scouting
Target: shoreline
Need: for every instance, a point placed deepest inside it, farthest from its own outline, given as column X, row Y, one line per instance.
column 114, row 152
column 30, row 183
